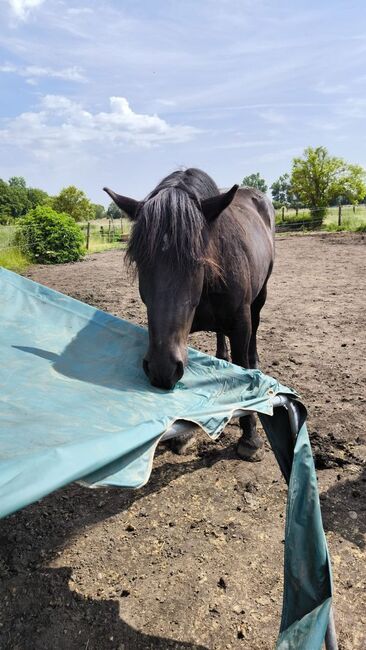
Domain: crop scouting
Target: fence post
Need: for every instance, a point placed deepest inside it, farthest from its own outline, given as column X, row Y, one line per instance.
column 87, row 235
column 109, row 231
column 283, row 213
column 121, row 226
column 339, row 215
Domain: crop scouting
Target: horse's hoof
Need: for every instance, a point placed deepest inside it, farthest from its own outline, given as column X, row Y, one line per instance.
column 247, row 452
column 182, row 444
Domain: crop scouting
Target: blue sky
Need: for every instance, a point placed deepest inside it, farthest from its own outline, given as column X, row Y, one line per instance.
column 121, row 93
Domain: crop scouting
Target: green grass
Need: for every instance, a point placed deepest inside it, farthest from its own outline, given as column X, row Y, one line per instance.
column 97, row 245
column 111, row 238
column 10, row 256
column 12, row 259
column 352, row 220
column 6, row 236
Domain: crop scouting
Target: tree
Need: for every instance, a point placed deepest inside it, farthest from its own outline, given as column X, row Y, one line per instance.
column 18, row 182
column 75, row 203
column 255, row 180
column 13, row 199
column 99, row 211
column 5, row 202
column 282, row 192
column 16, row 198
column 113, row 212
column 319, row 179
column 37, row 197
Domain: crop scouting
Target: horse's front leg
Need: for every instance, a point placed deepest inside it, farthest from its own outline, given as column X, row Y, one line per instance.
column 221, row 348
column 250, row 446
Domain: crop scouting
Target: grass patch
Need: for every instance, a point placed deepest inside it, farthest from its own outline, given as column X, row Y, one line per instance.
column 11, row 258
column 105, row 236
column 351, row 220
column 7, row 234
column 98, row 245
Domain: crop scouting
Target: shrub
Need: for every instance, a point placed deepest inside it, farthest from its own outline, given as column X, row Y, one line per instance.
column 50, row 237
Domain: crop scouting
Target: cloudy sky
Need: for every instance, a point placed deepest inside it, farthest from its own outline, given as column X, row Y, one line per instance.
column 122, row 92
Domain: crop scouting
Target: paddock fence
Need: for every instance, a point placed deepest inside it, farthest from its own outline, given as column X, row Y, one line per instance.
column 106, row 234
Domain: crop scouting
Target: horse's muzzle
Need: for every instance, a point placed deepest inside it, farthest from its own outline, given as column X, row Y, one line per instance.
column 166, row 376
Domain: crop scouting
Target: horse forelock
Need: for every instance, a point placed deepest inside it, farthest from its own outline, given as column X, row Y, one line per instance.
column 169, row 223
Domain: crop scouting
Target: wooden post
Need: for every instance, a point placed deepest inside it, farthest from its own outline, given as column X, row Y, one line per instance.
column 121, row 226
column 340, row 215
column 283, row 213
column 354, row 209
column 109, row 231
column 297, row 211
column 87, row 235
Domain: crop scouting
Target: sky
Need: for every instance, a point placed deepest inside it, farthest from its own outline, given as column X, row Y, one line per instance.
column 123, row 92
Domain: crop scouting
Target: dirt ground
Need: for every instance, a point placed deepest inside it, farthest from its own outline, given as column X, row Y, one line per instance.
column 194, row 560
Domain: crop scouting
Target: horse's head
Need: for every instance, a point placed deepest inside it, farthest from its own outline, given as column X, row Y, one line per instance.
column 170, row 244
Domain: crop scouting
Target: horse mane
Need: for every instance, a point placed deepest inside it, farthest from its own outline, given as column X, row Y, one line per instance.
column 170, row 221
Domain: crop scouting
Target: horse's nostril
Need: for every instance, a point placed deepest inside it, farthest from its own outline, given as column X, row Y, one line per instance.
column 145, row 365
column 179, row 370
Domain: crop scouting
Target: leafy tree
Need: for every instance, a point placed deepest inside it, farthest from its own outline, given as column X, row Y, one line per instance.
column 5, row 202
column 18, row 182
column 48, row 237
column 113, row 212
column 99, row 211
column 319, row 179
column 255, row 180
column 13, row 199
column 37, row 197
column 75, row 203
column 282, row 192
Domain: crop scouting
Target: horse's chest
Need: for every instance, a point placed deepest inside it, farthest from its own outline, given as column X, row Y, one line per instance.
column 214, row 313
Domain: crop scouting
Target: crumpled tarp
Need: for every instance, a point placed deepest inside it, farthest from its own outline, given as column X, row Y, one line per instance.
column 75, row 405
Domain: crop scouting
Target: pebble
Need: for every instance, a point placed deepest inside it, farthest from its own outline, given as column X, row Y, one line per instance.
column 353, row 514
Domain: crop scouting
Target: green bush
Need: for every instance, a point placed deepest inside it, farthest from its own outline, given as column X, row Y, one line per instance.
column 50, row 237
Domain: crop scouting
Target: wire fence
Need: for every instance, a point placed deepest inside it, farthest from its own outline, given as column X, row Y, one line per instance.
column 349, row 217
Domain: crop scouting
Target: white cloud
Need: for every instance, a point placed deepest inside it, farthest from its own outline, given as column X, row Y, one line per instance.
column 33, row 72
column 22, row 8
column 63, row 124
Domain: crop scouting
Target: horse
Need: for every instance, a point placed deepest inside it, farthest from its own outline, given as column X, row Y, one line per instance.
column 203, row 260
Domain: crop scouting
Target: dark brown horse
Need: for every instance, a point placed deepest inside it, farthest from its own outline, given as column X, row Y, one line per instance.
column 203, row 261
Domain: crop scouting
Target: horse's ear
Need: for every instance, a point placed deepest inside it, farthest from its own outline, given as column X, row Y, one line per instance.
column 212, row 207
column 129, row 206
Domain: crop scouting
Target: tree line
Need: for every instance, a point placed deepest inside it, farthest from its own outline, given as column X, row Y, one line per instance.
column 17, row 199
column 317, row 180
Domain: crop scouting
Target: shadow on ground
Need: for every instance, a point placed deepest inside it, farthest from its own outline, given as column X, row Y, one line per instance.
column 344, row 509
column 39, row 608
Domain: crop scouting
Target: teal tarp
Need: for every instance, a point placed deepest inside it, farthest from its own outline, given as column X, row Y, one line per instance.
column 75, row 404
